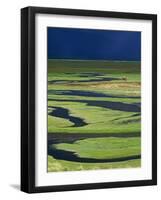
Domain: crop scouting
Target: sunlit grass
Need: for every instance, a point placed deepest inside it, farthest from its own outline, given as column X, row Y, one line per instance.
column 126, row 89
column 101, row 148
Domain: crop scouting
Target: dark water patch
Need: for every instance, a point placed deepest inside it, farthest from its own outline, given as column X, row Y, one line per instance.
column 71, row 156
column 57, row 138
column 138, row 104
column 85, row 73
column 88, row 94
column 59, row 81
column 90, row 74
column 126, row 107
column 64, row 113
column 84, row 81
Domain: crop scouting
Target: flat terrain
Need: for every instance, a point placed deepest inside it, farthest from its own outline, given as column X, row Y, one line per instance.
column 94, row 114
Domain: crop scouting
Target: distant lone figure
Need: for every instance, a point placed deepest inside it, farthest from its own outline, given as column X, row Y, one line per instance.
column 124, row 78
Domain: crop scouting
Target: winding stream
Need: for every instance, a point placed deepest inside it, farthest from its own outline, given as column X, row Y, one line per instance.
column 64, row 113
column 127, row 107
column 88, row 94
column 71, row 156
column 56, row 138
column 84, row 81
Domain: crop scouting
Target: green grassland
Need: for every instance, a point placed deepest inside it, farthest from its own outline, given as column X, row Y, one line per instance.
column 106, row 147
column 76, row 66
column 55, row 165
column 110, row 107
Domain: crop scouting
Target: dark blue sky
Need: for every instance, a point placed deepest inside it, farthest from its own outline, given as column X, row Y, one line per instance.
column 90, row 44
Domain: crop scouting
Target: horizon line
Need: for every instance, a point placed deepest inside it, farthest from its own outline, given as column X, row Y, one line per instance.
column 93, row 60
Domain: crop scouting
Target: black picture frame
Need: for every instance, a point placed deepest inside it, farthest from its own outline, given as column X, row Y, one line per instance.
column 28, row 98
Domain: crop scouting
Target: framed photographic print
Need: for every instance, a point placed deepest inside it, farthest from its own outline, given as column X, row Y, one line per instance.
column 88, row 99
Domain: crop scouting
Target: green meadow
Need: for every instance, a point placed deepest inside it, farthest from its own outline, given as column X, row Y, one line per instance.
column 94, row 115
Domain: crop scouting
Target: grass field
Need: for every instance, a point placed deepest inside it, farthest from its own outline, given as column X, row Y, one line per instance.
column 94, row 114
